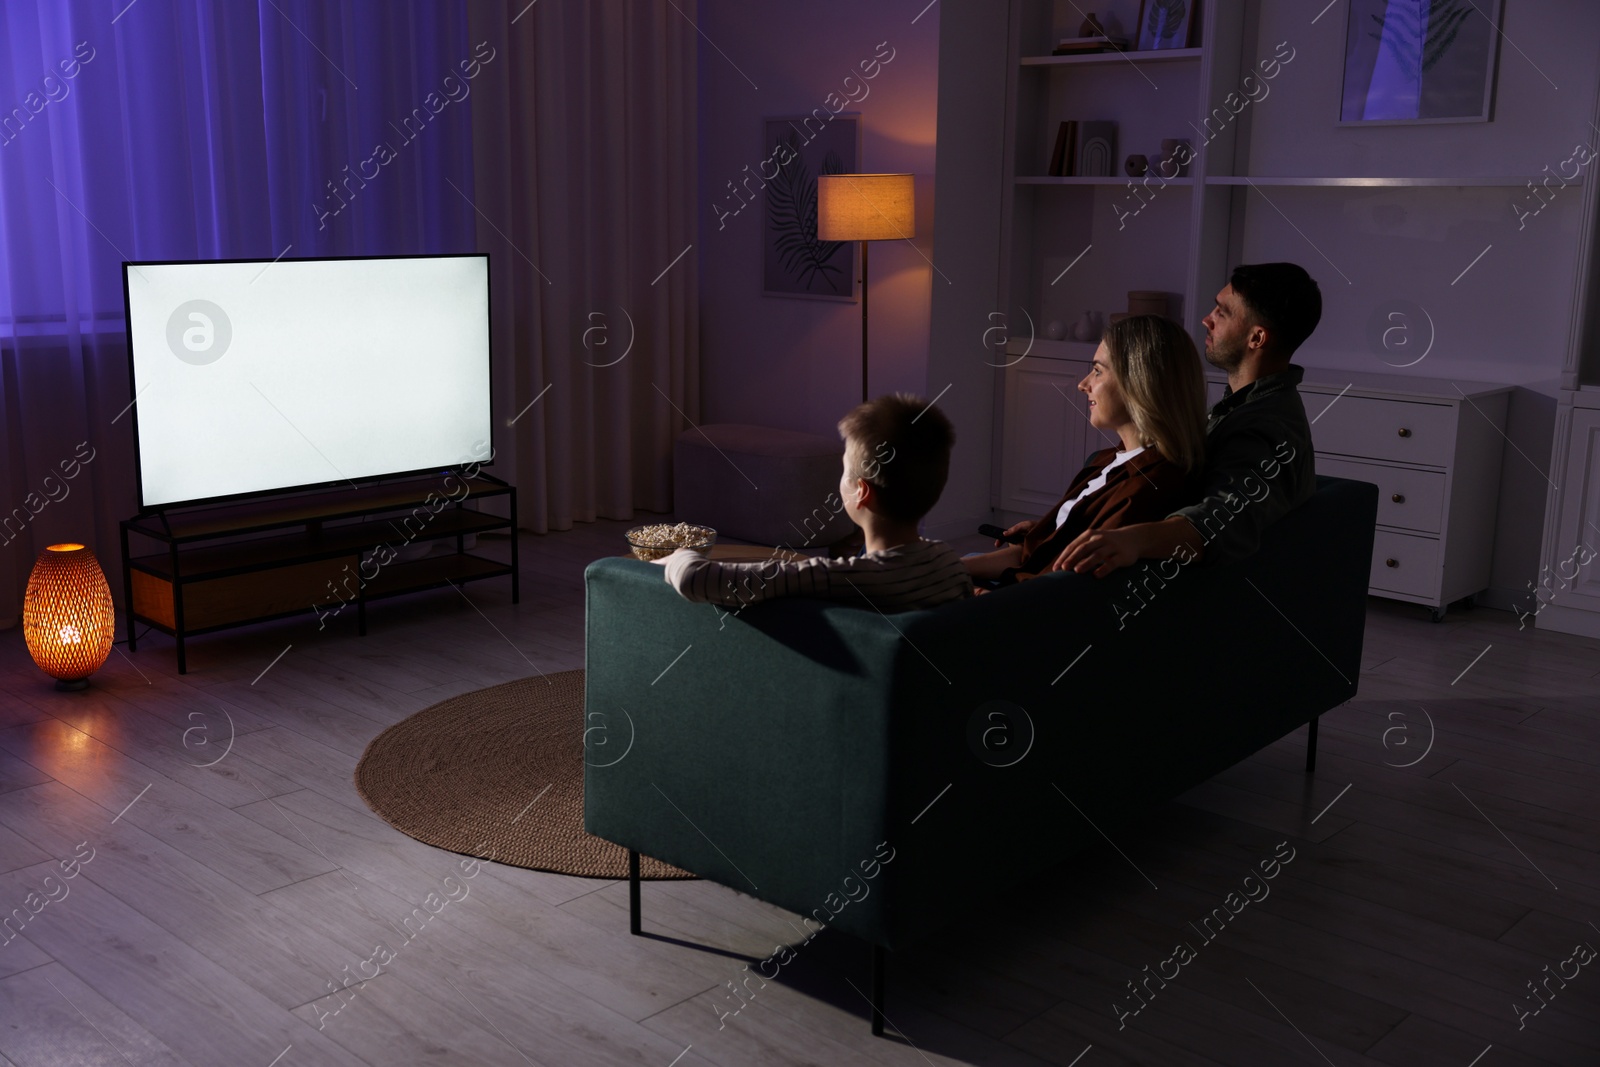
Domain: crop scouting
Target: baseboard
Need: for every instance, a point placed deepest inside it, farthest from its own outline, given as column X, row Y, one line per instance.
column 1504, row 599
column 1575, row 621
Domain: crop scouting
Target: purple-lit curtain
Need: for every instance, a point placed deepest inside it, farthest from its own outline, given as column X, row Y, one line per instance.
column 175, row 129
column 199, row 129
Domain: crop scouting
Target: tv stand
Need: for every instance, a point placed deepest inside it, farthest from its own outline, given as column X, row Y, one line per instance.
column 326, row 553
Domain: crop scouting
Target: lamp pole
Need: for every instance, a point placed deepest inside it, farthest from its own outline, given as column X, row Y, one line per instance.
column 865, row 396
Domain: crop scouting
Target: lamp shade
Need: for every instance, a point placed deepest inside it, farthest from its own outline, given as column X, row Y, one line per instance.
column 866, row 207
column 68, row 619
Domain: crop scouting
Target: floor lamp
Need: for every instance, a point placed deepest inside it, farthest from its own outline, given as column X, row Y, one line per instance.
column 865, row 207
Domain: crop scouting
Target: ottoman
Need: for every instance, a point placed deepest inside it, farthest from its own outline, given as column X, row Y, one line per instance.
column 755, row 483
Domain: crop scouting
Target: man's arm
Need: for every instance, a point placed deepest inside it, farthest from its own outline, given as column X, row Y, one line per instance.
column 1099, row 552
column 1258, row 474
column 1255, row 475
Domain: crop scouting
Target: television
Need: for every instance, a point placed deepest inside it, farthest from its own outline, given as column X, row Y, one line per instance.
column 256, row 376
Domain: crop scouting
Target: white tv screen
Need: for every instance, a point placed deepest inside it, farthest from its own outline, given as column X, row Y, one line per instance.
column 258, row 376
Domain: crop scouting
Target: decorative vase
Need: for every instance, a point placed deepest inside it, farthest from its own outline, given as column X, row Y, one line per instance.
column 67, row 615
column 1136, row 165
column 1087, row 329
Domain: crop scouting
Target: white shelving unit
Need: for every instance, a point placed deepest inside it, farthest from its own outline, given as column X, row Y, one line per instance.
column 1291, row 181
column 1358, row 207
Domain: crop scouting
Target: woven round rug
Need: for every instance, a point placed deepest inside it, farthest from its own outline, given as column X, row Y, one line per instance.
column 498, row 774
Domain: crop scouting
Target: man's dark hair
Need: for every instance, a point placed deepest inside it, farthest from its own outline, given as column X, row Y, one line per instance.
column 901, row 445
column 1283, row 298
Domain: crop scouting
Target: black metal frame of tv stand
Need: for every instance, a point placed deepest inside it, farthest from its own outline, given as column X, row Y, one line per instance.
column 218, row 542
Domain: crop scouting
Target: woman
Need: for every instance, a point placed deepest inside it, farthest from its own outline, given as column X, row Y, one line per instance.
column 1146, row 387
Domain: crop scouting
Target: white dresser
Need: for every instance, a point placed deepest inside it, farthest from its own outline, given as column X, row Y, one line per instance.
column 1433, row 447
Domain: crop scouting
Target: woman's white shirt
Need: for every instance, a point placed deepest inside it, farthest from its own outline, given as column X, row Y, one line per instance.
column 1096, row 483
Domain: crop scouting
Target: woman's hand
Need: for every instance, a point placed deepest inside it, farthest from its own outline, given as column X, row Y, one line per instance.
column 1022, row 529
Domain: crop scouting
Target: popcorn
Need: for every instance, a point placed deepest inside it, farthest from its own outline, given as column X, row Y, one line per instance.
column 658, row 540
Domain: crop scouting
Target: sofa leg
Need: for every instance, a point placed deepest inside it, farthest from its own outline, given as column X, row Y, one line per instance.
column 1311, row 746
column 635, row 924
column 880, row 965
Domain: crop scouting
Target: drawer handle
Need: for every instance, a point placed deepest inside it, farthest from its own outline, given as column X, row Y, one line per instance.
column 1399, row 498
column 1391, row 563
column 1404, row 432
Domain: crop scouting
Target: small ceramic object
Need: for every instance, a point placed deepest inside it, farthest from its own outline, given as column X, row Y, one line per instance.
column 1091, row 26
column 1055, row 329
column 1136, row 165
column 1088, row 328
column 1175, row 162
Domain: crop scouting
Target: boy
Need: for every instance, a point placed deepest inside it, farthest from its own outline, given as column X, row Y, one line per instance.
column 896, row 459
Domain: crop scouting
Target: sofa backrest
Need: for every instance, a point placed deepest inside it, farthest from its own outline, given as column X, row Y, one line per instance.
column 779, row 750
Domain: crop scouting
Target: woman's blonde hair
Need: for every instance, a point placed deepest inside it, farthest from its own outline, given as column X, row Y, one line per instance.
column 1158, row 370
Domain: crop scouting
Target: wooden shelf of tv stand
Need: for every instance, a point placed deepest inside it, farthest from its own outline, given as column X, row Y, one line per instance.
column 233, row 564
column 327, row 505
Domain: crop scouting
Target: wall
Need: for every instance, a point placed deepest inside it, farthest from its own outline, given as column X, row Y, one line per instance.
column 795, row 363
column 1507, row 319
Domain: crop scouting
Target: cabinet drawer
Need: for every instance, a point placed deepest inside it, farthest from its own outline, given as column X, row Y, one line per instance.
column 1384, row 429
column 1415, row 564
column 1410, row 499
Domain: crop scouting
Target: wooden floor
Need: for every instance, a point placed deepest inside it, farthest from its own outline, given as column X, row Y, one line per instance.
column 1444, row 857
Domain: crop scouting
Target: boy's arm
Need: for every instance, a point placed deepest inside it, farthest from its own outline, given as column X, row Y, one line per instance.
column 708, row 581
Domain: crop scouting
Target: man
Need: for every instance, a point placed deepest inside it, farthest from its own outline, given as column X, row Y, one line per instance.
column 1259, row 462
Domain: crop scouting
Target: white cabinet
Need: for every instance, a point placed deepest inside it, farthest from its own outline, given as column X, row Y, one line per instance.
column 1434, row 449
column 1566, row 596
column 1045, row 434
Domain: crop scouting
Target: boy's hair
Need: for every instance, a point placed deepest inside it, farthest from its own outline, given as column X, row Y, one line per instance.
column 1283, row 298
column 900, row 444
column 1158, row 370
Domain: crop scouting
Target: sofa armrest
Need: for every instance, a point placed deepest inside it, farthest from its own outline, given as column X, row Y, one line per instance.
column 759, row 748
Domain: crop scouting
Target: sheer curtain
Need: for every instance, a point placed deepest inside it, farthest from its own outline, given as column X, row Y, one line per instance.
column 186, row 129
column 586, row 176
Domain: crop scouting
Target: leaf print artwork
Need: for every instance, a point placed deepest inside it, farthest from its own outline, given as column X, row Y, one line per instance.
column 792, row 212
column 1166, row 18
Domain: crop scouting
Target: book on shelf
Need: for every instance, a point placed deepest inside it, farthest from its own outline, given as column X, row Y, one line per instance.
column 1063, row 156
column 1084, row 149
column 1076, row 46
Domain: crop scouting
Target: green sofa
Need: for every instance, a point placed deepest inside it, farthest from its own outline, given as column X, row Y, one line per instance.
column 887, row 774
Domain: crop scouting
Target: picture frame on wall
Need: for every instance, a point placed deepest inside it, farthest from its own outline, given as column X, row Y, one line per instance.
column 1165, row 24
column 795, row 150
column 1420, row 61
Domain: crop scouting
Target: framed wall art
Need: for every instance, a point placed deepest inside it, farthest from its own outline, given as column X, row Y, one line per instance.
column 794, row 263
column 1411, row 61
column 1165, row 24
